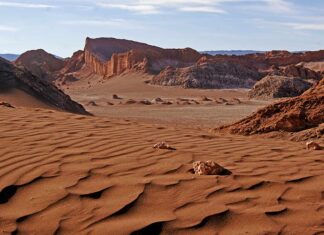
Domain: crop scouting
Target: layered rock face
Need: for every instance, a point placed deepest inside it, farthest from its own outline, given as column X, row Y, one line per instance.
column 278, row 87
column 108, row 56
column 297, row 71
column 289, row 115
column 208, row 74
column 12, row 77
column 41, row 64
column 264, row 61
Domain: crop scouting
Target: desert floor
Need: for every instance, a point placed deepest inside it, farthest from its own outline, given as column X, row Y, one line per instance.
column 69, row 174
column 132, row 86
column 62, row 173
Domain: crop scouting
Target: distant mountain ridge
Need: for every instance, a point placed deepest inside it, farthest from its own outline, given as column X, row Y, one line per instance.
column 10, row 57
column 230, row 52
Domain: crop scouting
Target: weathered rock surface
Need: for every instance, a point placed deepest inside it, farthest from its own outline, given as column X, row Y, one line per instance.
column 289, row 115
column 208, row 74
column 42, row 64
column 297, row 71
column 278, row 87
column 109, row 56
column 209, row 168
column 19, row 78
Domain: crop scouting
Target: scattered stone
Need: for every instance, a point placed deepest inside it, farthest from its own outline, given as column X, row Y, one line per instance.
column 311, row 145
column 195, row 101
column 116, row 97
column 2, row 103
column 92, row 103
column 130, row 101
column 205, row 98
column 237, row 100
column 110, row 103
column 163, row 145
column 167, row 102
column 209, row 168
column 158, row 100
column 146, row 102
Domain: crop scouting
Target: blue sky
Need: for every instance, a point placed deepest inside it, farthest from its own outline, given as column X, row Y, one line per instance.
column 61, row 26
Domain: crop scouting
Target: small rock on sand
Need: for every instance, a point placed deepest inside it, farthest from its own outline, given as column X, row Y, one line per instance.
column 92, row 103
column 311, row 145
column 116, row 97
column 146, row 102
column 209, row 168
column 130, row 101
column 2, row 103
column 163, row 145
column 205, row 98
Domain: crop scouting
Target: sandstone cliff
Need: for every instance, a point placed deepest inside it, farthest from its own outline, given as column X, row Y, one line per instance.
column 41, row 64
column 108, row 56
column 12, row 77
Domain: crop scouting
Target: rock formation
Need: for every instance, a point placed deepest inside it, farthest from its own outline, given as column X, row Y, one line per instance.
column 289, row 115
column 109, row 56
column 12, row 77
column 297, row 71
column 40, row 63
column 278, row 87
column 208, row 74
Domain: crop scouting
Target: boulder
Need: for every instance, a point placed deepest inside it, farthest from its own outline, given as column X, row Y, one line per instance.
column 209, row 168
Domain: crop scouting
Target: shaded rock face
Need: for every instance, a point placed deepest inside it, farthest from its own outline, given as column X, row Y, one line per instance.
column 40, row 63
column 208, row 75
column 108, row 56
column 297, row 71
column 289, row 115
column 14, row 77
column 278, row 87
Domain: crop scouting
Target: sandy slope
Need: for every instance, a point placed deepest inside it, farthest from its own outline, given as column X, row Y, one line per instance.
column 70, row 174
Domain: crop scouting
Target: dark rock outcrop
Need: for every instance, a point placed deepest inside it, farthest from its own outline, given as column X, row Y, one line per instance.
column 12, row 77
column 278, row 87
column 42, row 64
column 208, row 74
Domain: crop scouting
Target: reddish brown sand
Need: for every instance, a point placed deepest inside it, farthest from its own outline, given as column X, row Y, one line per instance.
column 67, row 174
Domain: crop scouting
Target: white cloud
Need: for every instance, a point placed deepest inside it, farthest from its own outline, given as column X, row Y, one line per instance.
column 206, row 9
column 114, row 22
column 137, row 8
column 4, row 28
column 279, row 6
column 305, row 26
column 207, row 6
column 25, row 5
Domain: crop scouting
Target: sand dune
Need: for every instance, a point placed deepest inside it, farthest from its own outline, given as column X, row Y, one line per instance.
column 70, row 174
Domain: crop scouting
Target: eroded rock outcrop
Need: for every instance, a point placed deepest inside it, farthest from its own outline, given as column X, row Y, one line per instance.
column 278, row 87
column 208, row 74
column 109, row 56
column 12, row 77
column 288, row 115
column 42, row 64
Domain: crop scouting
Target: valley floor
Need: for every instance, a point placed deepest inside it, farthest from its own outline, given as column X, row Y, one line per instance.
column 68, row 174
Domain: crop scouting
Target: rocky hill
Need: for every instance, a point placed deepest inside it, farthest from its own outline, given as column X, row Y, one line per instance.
column 41, row 64
column 279, row 87
column 12, row 77
column 208, row 74
column 289, row 115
